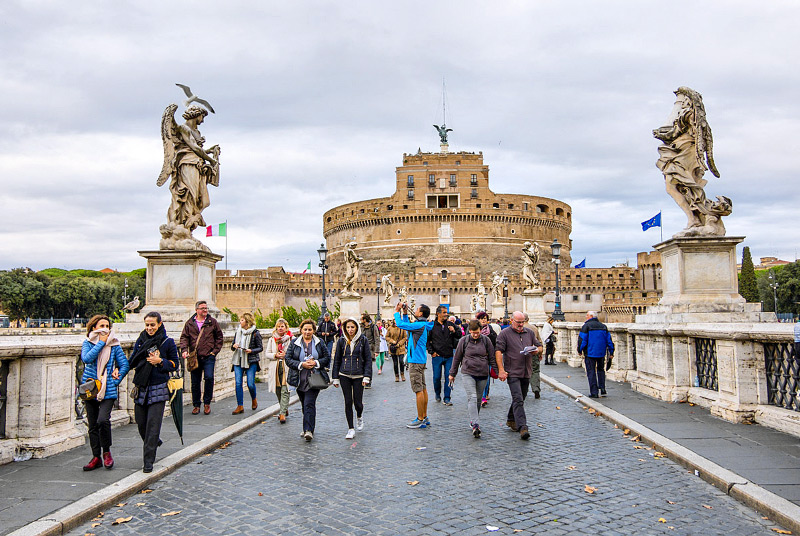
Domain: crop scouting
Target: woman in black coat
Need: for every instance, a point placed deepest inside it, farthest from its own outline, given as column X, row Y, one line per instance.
column 154, row 357
column 307, row 355
column 352, row 369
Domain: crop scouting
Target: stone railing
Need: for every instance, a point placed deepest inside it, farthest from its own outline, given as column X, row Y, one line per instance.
column 38, row 384
column 741, row 372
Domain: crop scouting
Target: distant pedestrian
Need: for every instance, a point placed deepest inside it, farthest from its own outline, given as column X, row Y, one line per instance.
column 594, row 343
column 105, row 362
column 370, row 330
column 476, row 351
column 277, row 371
column 203, row 334
column 442, row 341
column 352, row 369
column 536, row 376
column 417, row 357
column 327, row 331
column 154, row 356
column 397, row 339
column 383, row 348
column 307, row 355
column 549, row 339
column 515, row 367
column 247, row 347
column 488, row 330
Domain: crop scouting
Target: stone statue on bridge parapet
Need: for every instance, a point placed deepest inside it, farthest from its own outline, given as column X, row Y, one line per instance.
column 353, row 261
column 388, row 288
column 687, row 153
column 530, row 271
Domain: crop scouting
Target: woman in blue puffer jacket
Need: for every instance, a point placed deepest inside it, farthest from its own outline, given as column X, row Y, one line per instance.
column 105, row 362
column 352, row 369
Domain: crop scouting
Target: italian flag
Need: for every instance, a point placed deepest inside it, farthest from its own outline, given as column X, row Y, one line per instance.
column 217, row 230
column 307, row 267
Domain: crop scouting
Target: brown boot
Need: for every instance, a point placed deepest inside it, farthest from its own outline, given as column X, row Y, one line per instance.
column 206, row 409
column 282, row 418
column 397, row 378
column 238, row 410
column 255, row 404
column 402, row 378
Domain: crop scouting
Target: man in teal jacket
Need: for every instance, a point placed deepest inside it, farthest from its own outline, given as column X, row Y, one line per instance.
column 417, row 356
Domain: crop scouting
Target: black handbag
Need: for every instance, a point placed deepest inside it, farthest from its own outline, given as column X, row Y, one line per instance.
column 316, row 380
column 89, row 390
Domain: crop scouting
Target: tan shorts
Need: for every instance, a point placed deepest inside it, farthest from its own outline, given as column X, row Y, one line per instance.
column 416, row 374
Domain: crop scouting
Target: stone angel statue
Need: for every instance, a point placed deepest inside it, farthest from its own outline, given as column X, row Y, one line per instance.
column 685, row 156
column 442, row 130
column 403, row 295
column 388, row 288
column 497, row 286
column 530, row 271
column 352, row 261
column 481, row 296
column 190, row 168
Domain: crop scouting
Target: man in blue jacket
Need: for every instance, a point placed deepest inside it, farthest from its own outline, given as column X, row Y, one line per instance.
column 416, row 357
column 594, row 343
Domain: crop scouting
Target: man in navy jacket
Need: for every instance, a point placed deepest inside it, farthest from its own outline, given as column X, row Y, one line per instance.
column 594, row 343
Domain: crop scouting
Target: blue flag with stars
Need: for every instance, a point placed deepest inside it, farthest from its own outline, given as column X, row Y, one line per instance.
column 655, row 221
column 581, row 264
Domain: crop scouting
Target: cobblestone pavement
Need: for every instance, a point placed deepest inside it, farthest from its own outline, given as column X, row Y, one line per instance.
column 270, row 481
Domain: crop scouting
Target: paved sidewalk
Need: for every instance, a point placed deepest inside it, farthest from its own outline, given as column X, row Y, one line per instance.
column 761, row 455
column 35, row 488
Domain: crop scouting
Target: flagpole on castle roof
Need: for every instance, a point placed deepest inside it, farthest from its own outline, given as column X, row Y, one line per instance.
column 226, row 244
column 661, row 227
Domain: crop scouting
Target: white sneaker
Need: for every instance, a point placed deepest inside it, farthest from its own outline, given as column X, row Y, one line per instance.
column 360, row 424
column 350, row 434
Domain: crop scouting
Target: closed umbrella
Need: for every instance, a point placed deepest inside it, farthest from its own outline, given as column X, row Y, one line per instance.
column 176, row 403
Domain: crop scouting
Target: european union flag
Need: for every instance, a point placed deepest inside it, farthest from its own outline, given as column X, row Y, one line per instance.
column 581, row 264
column 655, row 221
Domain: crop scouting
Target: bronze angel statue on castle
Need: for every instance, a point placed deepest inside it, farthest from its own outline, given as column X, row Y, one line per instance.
column 190, row 168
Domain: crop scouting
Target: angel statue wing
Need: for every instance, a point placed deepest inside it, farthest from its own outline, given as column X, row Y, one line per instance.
column 169, row 136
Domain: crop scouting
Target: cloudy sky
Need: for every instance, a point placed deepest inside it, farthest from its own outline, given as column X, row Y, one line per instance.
column 317, row 101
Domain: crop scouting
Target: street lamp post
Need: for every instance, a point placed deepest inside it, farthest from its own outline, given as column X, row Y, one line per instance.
column 125, row 293
column 505, row 296
column 555, row 249
column 323, row 256
column 774, row 284
column 378, row 294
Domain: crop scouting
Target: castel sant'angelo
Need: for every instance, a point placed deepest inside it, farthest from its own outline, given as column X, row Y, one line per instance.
column 441, row 233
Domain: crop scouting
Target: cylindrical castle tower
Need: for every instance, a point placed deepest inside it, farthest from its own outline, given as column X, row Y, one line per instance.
column 444, row 211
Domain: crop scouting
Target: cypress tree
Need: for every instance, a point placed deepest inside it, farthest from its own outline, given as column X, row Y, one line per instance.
column 747, row 278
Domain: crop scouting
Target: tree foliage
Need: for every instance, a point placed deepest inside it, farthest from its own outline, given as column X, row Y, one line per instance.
column 748, row 287
column 59, row 293
column 788, row 291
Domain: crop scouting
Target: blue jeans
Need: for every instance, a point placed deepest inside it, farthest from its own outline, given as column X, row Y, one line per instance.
column 205, row 374
column 329, row 346
column 596, row 373
column 440, row 363
column 238, row 372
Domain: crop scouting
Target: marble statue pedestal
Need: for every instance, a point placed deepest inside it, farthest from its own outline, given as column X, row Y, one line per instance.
column 176, row 280
column 387, row 312
column 533, row 305
column 350, row 306
column 498, row 310
column 700, row 283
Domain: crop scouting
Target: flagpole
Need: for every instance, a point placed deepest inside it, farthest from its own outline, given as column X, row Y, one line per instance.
column 660, row 227
column 226, row 244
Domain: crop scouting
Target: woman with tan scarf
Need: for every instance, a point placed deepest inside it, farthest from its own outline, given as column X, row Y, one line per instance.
column 275, row 352
column 105, row 362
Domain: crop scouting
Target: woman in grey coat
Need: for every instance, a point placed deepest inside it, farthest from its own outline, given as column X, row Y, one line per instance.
column 476, row 351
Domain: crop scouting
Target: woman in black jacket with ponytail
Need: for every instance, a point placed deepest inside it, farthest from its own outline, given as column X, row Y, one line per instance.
column 352, row 369
column 154, row 357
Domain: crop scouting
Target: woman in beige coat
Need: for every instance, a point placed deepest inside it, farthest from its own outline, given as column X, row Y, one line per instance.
column 275, row 351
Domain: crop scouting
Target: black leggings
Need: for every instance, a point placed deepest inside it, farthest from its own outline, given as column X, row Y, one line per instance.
column 399, row 365
column 353, row 391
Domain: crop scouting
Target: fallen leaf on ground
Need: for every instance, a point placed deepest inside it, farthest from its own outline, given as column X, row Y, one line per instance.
column 636, row 438
column 638, row 447
column 209, row 454
column 707, row 506
column 670, row 502
column 781, row 531
column 571, row 467
column 99, row 515
column 121, row 520
column 616, row 426
column 764, row 517
column 140, row 504
column 659, row 454
column 585, row 407
column 94, row 525
column 641, row 459
column 492, row 528
column 224, row 445
column 260, row 494
column 146, row 491
column 120, row 505
column 592, row 410
column 569, row 376
column 662, row 520
column 670, row 527
column 173, row 513
column 558, row 407
column 691, row 404
column 517, row 530
column 412, row 482
column 89, row 534
column 626, row 431
column 540, row 425
column 589, row 489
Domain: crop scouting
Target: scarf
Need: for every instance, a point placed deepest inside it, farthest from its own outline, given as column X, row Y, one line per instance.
column 138, row 360
column 242, row 338
column 486, row 329
column 103, row 358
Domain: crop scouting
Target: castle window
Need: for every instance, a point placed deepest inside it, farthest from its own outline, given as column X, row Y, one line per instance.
column 431, row 180
column 559, row 212
column 473, row 180
column 361, row 211
column 453, row 181
column 474, row 193
column 398, row 231
column 458, row 162
column 405, row 207
column 425, row 163
column 511, row 205
column 524, row 206
column 495, row 205
column 542, row 208
column 389, row 207
column 588, row 297
column 513, row 231
column 410, row 195
column 477, row 205
column 442, row 201
column 329, row 219
column 575, row 297
column 411, row 181
column 444, row 274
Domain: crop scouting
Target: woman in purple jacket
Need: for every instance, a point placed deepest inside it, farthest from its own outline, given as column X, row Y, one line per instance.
column 477, row 353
